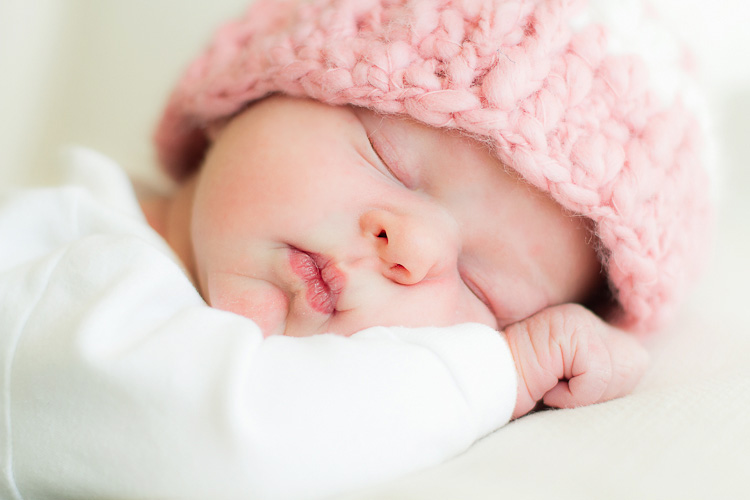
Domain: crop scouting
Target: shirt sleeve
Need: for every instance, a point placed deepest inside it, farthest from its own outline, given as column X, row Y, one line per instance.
column 118, row 381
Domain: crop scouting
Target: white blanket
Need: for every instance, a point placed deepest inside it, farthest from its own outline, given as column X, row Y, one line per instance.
column 118, row 381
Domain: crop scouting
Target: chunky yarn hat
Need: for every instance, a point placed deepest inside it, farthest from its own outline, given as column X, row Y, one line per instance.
column 540, row 84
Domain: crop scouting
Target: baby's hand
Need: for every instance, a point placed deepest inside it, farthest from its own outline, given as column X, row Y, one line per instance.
column 568, row 357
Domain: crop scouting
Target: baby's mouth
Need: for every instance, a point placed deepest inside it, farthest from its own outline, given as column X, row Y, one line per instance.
column 323, row 281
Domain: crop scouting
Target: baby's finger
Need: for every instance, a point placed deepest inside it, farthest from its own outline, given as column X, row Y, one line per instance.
column 629, row 362
column 587, row 371
column 561, row 358
column 607, row 364
column 569, row 357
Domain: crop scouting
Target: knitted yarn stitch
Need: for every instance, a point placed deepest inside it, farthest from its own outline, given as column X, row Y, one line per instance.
column 575, row 121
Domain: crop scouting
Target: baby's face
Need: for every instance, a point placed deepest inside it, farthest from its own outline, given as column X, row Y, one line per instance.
column 309, row 219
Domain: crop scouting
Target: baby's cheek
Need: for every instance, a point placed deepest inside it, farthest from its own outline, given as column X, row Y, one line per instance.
column 256, row 299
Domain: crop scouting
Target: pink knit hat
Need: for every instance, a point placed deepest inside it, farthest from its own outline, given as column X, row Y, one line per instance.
column 553, row 102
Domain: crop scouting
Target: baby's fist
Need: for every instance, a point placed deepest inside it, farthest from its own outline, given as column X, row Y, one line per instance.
column 568, row 357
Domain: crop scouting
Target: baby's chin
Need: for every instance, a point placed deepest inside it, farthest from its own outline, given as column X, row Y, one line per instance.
column 256, row 300
column 270, row 327
column 270, row 322
column 275, row 320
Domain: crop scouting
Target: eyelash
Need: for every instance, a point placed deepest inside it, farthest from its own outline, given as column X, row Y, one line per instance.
column 400, row 177
column 478, row 293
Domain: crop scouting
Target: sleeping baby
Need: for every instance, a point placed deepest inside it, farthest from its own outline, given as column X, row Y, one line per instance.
column 412, row 220
column 309, row 218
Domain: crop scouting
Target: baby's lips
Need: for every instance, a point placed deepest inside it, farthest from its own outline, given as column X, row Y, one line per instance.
column 333, row 277
column 323, row 281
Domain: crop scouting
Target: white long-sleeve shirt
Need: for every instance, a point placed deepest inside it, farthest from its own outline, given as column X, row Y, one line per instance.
column 117, row 380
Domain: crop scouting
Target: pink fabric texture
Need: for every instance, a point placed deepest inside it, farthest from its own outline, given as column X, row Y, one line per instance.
column 574, row 120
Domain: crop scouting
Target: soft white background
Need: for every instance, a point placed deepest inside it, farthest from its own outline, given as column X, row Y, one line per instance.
column 95, row 73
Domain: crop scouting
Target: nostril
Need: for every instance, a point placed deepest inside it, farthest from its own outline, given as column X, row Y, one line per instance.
column 400, row 274
column 382, row 234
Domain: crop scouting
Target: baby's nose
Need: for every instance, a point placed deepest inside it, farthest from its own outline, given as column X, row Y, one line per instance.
column 412, row 247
